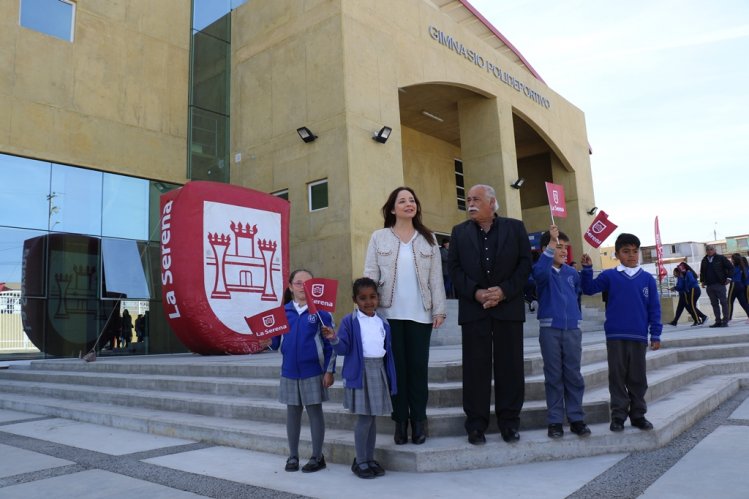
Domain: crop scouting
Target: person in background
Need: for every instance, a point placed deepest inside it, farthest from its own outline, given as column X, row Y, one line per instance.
column 689, row 292
column 444, row 250
column 715, row 272
column 738, row 286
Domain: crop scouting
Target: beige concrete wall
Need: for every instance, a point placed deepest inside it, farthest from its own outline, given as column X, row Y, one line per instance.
column 114, row 99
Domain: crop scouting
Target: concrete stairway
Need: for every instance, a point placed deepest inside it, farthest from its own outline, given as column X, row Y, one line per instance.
column 231, row 401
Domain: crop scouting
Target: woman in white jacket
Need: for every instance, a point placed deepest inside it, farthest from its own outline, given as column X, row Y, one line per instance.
column 404, row 260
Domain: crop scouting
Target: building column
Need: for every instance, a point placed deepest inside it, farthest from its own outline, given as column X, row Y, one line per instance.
column 487, row 142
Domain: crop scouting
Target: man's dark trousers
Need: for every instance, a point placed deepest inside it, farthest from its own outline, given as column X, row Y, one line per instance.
column 490, row 342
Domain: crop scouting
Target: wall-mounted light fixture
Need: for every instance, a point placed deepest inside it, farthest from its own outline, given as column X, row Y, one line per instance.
column 518, row 183
column 593, row 210
column 306, row 134
column 382, row 135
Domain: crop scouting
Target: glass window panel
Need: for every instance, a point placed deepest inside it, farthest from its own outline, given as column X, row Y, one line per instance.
column 24, row 188
column 208, row 146
column 156, row 189
column 318, row 195
column 283, row 194
column 124, row 275
column 75, row 200
column 125, row 207
column 210, row 73
column 23, row 260
column 211, row 16
column 52, row 17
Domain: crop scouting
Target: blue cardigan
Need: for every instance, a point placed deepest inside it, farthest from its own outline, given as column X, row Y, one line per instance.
column 633, row 306
column 687, row 282
column 557, row 293
column 348, row 343
column 305, row 352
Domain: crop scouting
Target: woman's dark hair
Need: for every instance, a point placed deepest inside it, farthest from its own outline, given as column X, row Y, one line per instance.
column 389, row 216
column 287, row 295
column 362, row 283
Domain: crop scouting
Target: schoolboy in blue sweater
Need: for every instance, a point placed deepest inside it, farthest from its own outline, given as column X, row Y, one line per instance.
column 633, row 309
column 560, row 337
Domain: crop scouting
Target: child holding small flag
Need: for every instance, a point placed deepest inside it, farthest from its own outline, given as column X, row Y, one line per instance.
column 633, row 309
column 306, row 371
column 368, row 372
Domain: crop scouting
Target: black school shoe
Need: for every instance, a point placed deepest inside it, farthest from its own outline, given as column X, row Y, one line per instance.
column 292, row 464
column 555, row 430
column 365, row 473
column 616, row 425
column 314, row 464
column 579, row 428
column 376, row 468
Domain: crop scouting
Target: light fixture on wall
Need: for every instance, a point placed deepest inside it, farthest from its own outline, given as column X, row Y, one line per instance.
column 593, row 210
column 306, row 134
column 382, row 135
column 518, row 183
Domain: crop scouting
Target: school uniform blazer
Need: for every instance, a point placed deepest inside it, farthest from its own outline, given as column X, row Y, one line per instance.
column 512, row 265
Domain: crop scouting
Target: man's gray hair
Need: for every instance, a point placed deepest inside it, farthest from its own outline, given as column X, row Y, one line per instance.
column 491, row 193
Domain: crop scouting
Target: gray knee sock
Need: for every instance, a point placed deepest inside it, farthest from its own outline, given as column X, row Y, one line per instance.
column 371, row 439
column 364, row 425
column 317, row 428
column 293, row 427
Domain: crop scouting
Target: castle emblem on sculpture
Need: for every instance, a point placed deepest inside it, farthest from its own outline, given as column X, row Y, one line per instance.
column 243, row 263
column 75, row 291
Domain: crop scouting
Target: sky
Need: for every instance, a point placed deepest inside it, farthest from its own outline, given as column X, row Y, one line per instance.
column 664, row 86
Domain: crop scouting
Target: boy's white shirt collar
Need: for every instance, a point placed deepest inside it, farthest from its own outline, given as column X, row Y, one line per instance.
column 630, row 271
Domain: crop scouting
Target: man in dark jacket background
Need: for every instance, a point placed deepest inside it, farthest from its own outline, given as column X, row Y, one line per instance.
column 715, row 273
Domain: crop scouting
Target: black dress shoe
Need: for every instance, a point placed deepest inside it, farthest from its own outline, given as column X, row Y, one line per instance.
column 292, row 464
column 717, row 324
column 401, row 432
column 579, row 428
column 642, row 424
column 510, row 435
column 556, row 430
column 418, row 432
column 376, row 468
column 616, row 424
column 672, row 323
column 314, row 464
column 476, row 437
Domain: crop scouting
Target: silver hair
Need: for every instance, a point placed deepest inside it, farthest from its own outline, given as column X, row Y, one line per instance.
column 491, row 193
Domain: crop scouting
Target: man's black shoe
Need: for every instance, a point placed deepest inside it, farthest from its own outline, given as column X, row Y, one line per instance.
column 510, row 435
column 556, row 430
column 401, row 432
column 724, row 324
column 717, row 324
column 476, row 437
column 418, row 432
column 616, row 425
column 672, row 323
column 579, row 428
column 642, row 424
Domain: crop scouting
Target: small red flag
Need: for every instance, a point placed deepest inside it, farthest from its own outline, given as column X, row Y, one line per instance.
column 557, row 204
column 659, row 252
column 599, row 230
column 270, row 323
column 321, row 294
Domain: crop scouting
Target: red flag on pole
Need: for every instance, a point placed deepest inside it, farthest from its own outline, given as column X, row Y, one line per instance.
column 659, row 251
column 321, row 294
column 599, row 230
column 270, row 323
column 557, row 204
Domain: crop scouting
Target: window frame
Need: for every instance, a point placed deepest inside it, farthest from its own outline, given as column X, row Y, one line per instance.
column 71, row 37
column 281, row 193
column 310, row 186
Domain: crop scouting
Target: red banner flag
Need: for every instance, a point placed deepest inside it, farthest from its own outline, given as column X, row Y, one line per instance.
column 270, row 323
column 557, row 204
column 321, row 294
column 659, row 252
column 599, row 230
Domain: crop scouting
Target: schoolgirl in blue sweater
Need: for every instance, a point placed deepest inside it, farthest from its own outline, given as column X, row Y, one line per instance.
column 633, row 309
column 368, row 372
column 689, row 292
column 738, row 287
column 306, row 372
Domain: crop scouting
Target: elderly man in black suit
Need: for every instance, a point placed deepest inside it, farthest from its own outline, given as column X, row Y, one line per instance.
column 489, row 262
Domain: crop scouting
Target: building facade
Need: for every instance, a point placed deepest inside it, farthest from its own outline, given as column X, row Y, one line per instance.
column 105, row 105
